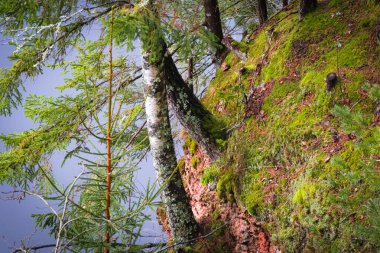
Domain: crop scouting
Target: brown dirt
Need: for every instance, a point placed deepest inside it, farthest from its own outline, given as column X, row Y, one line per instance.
column 242, row 234
column 256, row 100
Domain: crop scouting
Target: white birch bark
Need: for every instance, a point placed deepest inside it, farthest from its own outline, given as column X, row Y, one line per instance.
column 181, row 220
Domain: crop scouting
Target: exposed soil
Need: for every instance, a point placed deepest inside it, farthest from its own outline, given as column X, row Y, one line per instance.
column 256, row 100
column 242, row 234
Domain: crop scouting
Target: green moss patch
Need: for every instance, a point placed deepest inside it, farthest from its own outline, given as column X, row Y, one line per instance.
column 308, row 168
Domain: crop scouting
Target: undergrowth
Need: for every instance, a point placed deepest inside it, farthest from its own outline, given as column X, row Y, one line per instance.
column 308, row 168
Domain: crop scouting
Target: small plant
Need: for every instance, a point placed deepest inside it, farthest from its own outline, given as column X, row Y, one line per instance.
column 194, row 161
column 226, row 186
column 210, row 174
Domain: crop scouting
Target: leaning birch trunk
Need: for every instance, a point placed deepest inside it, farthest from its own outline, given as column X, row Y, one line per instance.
column 181, row 220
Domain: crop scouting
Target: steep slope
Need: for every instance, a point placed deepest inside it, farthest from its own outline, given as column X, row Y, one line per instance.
column 302, row 161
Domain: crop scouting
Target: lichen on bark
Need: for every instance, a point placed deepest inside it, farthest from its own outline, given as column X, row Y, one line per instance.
column 181, row 220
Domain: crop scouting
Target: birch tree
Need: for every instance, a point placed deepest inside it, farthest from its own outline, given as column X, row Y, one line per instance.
column 62, row 26
column 181, row 220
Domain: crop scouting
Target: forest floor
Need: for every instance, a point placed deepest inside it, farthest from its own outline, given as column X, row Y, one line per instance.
column 300, row 170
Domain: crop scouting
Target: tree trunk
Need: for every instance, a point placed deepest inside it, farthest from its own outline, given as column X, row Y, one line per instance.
column 181, row 220
column 214, row 25
column 193, row 116
column 262, row 11
column 306, row 6
column 285, row 3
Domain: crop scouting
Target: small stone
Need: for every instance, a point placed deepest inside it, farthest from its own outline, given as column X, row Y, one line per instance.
column 331, row 80
column 244, row 247
column 334, row 135
column 212, row 186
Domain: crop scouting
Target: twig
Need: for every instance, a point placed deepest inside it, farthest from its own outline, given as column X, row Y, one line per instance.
column 35, row 248
column 135, row 135
column 194, row 239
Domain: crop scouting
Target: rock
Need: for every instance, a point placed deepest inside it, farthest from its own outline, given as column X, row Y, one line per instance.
column 212, row 186
column 331, row 80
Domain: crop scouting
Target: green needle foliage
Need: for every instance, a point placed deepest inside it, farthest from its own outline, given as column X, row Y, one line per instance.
column 76, row 124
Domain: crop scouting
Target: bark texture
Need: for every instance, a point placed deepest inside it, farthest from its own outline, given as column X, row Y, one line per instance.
column 193, row 116
column 214, row 25
column 181, row 220
column 306, row 6
column 262, row 11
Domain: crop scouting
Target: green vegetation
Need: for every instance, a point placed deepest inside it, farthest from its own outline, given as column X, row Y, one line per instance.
column 308, row 169
column 191, row 144
column 210, row 174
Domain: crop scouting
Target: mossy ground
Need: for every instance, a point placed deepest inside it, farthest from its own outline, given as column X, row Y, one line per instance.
column 312, row 180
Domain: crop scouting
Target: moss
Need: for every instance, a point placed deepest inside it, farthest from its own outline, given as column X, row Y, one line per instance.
column 253, row 197
column 194, row 161
column 210, row 174
column 277, row 65
column 304, row 193
column 216, row 223
column 193, row 147
column 242, row 46
column 353, row 53
column 337, row 3
column 279, row 92
column 187, row 249
column 318, row 203
column 216, row 127
column 181, row 165
column 257, row 46
column 327, row 26
column 226, row 186
column 190, row 144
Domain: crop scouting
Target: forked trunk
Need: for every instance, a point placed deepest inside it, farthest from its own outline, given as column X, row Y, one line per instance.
column 181, row 220
column 194, row 117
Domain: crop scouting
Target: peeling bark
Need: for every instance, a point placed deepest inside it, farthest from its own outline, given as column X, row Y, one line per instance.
column 306, row 6
column 181, row 220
